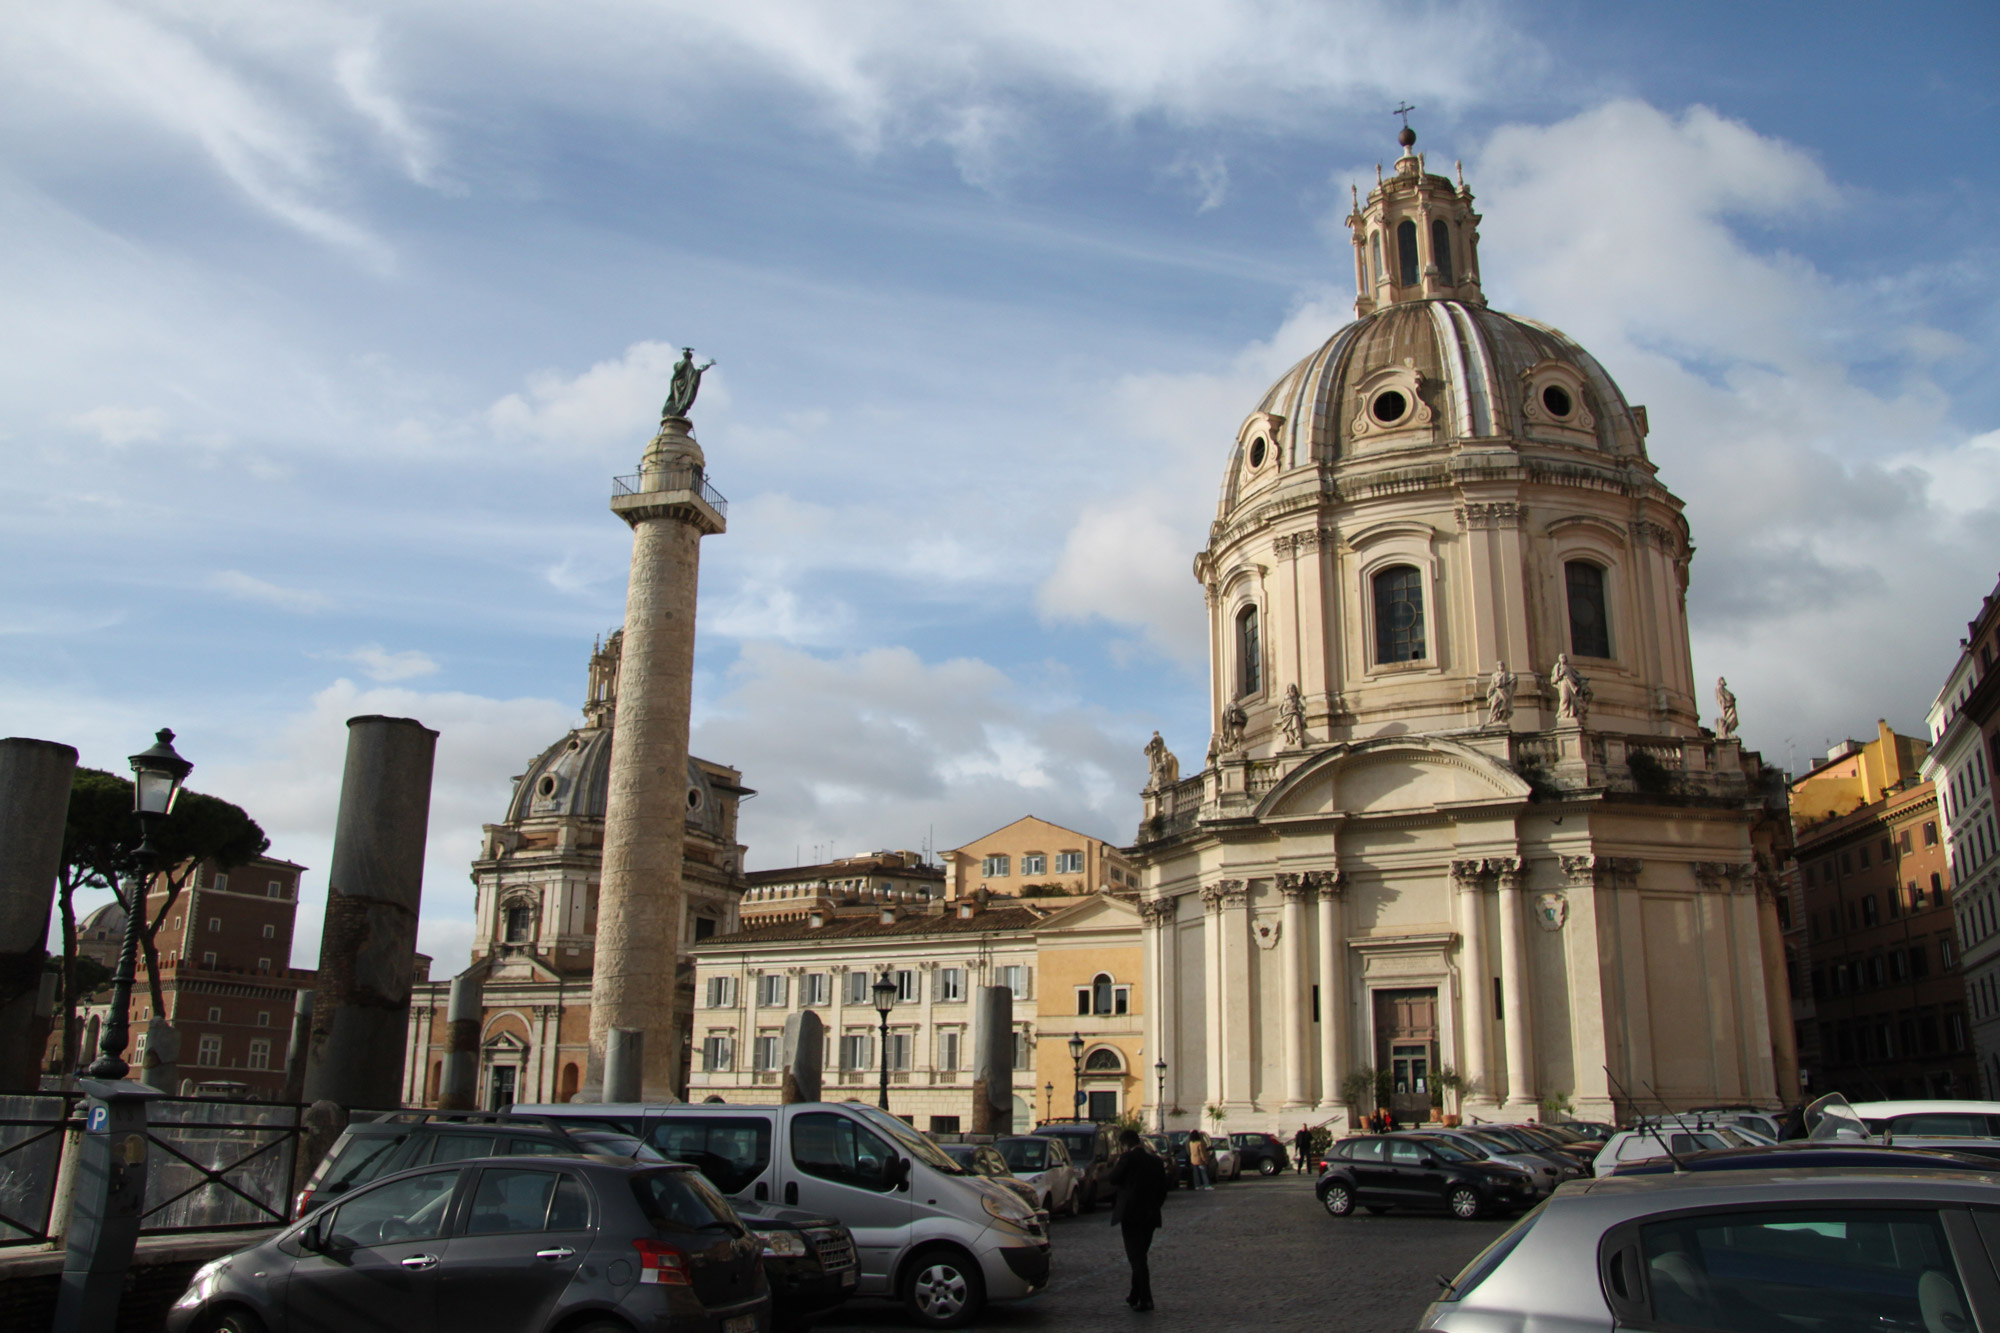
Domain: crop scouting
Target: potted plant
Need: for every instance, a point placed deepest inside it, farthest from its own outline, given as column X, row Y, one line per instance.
column 1356, row 1090
column 1447, row 1082
column 1385, row 1092
column 1556, row 1106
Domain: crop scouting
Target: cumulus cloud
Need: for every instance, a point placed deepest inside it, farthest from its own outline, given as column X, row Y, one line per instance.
column 598, row 407
column 250, row 588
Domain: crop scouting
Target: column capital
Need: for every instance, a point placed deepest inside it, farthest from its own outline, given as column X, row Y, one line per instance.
column 1328, row 884
column 1510, row 870
column 1602, row 872
column 1469, row 876
column 1157, row 912
column 1221, row 893
column 1722, row 877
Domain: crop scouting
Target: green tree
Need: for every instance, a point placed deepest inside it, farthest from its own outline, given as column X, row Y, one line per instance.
column 99, row 836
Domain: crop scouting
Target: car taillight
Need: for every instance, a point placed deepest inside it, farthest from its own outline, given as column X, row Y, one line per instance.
column 661, row 1264
column 305, row 1202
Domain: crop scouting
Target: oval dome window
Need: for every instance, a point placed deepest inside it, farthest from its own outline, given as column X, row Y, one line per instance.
column 1389, row 407
column 547, row 786
column 694, row 798
column 1556, row 399
column 1257, row 452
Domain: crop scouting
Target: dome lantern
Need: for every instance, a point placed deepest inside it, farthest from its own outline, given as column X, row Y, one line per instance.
column 1415, row 237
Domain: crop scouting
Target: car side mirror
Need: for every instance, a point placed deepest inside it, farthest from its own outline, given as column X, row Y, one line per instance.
column 896, row 1173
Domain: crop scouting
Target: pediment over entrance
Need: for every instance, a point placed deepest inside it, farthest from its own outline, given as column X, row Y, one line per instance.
column 1393, row 775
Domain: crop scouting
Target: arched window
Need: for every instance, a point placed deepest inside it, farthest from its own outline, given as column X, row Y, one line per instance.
column 1399, row 615
column 519, row 921
column 1406, row 251
column 1249, row 652
column 1103, row 1060
column 1100, row 993
column 1375, row 243
column 1589, row 626
column 1441, row 248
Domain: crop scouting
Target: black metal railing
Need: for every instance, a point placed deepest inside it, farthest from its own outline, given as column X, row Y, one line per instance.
column 32, row 1130
column 681, row 478
column 219, row 1165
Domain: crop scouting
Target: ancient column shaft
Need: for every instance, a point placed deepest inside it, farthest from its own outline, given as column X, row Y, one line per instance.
column 1333, row 1016
column 1293, row 1012
column 1514, row 994
column 1475, row 977
column 34, row 804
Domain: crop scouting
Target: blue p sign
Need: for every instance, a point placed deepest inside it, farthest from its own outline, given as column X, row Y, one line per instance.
column 99, row 1117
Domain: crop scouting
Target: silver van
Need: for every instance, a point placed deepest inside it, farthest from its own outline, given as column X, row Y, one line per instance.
column 928, row 1232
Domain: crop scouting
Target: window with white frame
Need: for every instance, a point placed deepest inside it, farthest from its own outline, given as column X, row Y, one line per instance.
column 215, row 1013
column 947, row 1051
column 769, row 1053
column 260, row 1053
column 1399, row 615
column 1014, row 977
column 722, row 992
column 222, row 882
column 1103, row 996
column 215, row 925
column 716, row 1054
column 950, row 985
column 899, row 1050
column 263, row 965
column 1024, row 1055
column 270, row 931
column 815, row 989
column 772, row 990
column 906, row 985
column 210, row 1053
column 275, row 889
column 1034, row 863
column 994, row 867
column 859, row 980
column 856, row 1050
column 1069, row 863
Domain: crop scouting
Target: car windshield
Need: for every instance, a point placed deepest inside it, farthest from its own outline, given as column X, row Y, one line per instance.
column 1024, row 1154
column 1447, row 1151
column 684, row 1201
column 911, row 1142
column 1504, row 1140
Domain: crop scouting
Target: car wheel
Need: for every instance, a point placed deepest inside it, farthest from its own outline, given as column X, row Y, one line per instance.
column 1337, row 1199
column 1267, row 1167
column 1464, row 1203
column 943, row 1289
column 231, row 1321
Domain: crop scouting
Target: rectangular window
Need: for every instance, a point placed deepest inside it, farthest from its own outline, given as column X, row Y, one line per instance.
column 264, row 965
column 263, row 1018
column 1864, row 855
column 855, row 1052
column 1947, row 953
column 210, row 1053
column 1846, row 863
column 772, row 990
column 1903, row 841
column 722, row 992
column 906, row 985
column 944, row 1124
column 222, row 881
column 275, row 889
column 1870, row 915
column 715, row 1054
column 214, row 1013
column 1069, row 863
column 1894, row 898
column 947, row 1056
column 1589, row 626
column 1014, row 978
column 215, row 925
column 899, row 1050
column 1920, row 961
column 994, row 867
column 270, row 932
column 208, row 958
column 1499, row 1003
column 767, row 1053
column 950, row 985
column 1034, row 863
column 1954, row 1032
column 1022, row 1055
column 1930, row 833
column 1888, row 850
column 816, row 990
column 858, row 982
column 1121, row 1000
column 1082, row 1000
column 260, row 1053
column 1399, row 615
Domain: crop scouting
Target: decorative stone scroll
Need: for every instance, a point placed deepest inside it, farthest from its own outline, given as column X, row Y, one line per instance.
column 1157, row 912
column 1497, row 514
column 1300, row 543
column 1221, row 893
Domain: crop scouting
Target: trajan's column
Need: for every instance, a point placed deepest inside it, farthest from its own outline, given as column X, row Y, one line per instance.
column 639, row 907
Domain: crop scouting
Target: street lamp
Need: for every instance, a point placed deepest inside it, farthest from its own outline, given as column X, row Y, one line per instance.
column 1160, row 1102
column 1076, row 1074
column 885, row 1000
column 1049, row 1100
column 157, row 774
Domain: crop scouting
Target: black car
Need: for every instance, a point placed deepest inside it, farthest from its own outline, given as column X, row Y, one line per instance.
column 506, row 1244
column 1092, row 1149
column 1263, row 1153
column 810, row 1260
column 1383, row 1171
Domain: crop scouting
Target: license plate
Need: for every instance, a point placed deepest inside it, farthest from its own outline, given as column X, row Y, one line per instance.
column 743, row 1323
column 847, row 1278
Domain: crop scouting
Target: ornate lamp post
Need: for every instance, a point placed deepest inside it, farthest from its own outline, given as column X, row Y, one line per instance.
column 1049, row 1100
column 1160, row 1100
column 111, row 1171
column 885, row 1000
column 157, row 774
column 1076, row 1074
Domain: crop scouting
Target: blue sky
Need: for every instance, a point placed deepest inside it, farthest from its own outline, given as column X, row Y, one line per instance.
column 327, row 325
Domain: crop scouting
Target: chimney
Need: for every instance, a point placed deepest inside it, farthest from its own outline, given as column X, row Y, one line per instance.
column 964, row 910
column 815, row 919
column 888, row 916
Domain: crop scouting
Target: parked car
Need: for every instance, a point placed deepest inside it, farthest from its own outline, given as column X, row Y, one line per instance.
column 1865, row 1249
column 982, row 1160
column 1936, row 1119
column 499, row 1243
column 1814, row 1156
column 1589, row 1129
column 809, row 1259
column 1547, row 1139
column 1263, row 1153
column 1043, row 1163
column 1521, row 1141
column 1228, row 1165
column 1639, row 1145
column 1540, row 1168
column 1417, row 1170
column 1093, row 1147
column 1175, row 1156
column 927, row 1231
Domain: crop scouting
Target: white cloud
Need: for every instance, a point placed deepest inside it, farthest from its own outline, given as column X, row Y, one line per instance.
column 250, row 588
column 1207, row 178
column 122, row 425
column 377, row 663
column 603, row 406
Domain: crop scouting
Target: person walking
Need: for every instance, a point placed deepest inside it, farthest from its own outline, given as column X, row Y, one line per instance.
column 1302, row 1146
column 1141, row 1181
column 1199, row 1159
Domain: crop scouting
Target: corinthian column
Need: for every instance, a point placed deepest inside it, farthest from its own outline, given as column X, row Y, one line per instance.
column 1211, row 966
column 1514, row 989
column 1293, row 1004
column 1331, row 886
column 1475, row 978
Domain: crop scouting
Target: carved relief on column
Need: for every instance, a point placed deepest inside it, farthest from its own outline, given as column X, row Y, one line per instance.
column 1469, row 876
column 1222, row 893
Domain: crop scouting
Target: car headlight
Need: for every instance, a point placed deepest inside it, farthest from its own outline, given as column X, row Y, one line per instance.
column 201, row 1284
column 1007, row 1209
column 784, row 1244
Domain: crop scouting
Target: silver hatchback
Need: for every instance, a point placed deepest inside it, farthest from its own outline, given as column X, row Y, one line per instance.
column 1858, row 1251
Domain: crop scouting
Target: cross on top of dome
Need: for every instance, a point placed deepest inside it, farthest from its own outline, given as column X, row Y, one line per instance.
column 1416, row 237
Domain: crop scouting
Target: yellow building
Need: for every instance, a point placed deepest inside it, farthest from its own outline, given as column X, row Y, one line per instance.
column 1855, row 774
column 1092, row 987
column 1032, row 858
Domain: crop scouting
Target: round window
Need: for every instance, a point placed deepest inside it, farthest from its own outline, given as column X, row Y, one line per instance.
column 694, row 798
column 1389, row 407
column 547, row 786
column 1556, row 399
column 1257, row 452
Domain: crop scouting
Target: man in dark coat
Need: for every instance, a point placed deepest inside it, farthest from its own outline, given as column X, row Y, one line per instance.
column 1302, row 1146
column 1141, row 1181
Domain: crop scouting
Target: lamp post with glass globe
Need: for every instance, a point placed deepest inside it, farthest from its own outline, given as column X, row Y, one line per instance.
column 1049, row 1100
column 1076, row 1074
column 111, row 1165
column 1160, row 1101
column 885, row 1000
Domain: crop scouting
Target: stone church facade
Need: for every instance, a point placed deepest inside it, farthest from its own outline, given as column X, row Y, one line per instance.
column 1459, row 810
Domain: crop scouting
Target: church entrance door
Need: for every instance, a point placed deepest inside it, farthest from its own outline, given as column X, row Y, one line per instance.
column 1406, row 1048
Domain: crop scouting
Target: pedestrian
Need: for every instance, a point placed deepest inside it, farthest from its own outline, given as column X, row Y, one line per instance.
column 1302, row 1144
column 1199, row 1159
column 1141, row 1181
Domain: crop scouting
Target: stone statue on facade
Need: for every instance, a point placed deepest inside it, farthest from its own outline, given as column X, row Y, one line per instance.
column 1500, row 695
column 686, row 384
column 1162, row 769
column 1292, row 717
column 1572, row 690
column 1230, row 738
column 1725, row 703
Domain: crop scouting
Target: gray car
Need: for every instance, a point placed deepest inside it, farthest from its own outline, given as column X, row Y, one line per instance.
column 495, row 1245
column 1545, row 1172
column 1857, row 1251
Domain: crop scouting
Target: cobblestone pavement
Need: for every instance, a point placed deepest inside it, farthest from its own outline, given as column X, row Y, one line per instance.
column 1251, row 1253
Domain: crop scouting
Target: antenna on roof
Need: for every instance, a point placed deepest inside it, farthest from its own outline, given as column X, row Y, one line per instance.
column 1657, row 1136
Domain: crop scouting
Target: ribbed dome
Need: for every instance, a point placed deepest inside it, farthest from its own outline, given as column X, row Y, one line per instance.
column 1421, row 373
column 571, row 780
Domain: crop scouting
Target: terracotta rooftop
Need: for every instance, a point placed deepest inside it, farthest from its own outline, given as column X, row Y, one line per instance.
column 873, row 927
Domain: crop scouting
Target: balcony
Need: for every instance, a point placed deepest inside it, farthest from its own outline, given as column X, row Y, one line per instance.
column 684, row 478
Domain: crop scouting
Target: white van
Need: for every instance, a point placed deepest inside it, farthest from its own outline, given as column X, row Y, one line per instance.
column 928, row 1232
column 1931, row 1119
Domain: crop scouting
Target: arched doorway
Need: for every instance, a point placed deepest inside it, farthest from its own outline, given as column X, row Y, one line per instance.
column 566, row 1088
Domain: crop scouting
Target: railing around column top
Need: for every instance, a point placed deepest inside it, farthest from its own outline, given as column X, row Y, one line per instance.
column 684, row 478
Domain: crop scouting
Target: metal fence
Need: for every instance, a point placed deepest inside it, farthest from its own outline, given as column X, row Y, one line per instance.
column 32, row 1131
